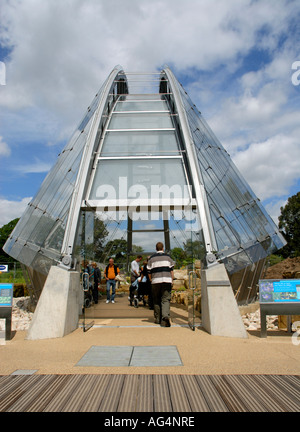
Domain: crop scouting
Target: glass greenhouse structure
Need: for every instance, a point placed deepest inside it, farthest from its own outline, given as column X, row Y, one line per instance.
column 144, row 166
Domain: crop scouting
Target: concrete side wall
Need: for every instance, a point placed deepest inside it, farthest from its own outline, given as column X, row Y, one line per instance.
column 220, row 312
column 57, row 311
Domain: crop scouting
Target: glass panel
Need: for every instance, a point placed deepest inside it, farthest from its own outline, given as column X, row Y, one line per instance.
column 17, row 247
column 139, row 179
column 144, row 222
column 42, row 264
column 44, row 225
column 135, row 97
column 55, row 238
column 140, row 143
column 146, row 241
column 140, row 121
column 100, row 236
column 158, row 105
column 27, row 255
column 18, row 231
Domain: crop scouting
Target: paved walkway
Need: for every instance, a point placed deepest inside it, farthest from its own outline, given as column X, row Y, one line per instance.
column 124, row 326
column 197, row 354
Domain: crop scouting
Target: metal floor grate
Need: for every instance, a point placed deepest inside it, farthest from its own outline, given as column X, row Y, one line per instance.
column 98, row 356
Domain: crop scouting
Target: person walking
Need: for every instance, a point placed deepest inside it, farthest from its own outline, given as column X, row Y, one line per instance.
column 145, row 284
column 110, row 273
column 134, row 274
column 160, row 266
column 97, row 280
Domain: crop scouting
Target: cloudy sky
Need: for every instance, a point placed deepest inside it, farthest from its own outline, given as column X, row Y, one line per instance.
column 233, row 57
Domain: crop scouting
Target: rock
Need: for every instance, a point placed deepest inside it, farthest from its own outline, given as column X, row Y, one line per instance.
column 121, row 278
column 197, row 264
column 178, row 283
column 252, row 321
column 198, row 303
column 21, row 315
column 289, row 267
column 180, row 274
column 252, row 327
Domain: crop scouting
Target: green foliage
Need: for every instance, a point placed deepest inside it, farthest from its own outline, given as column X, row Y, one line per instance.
column 5, row 232
column 289, row 223
column 100, row 233
column 14, row 275
column 117, row 249
column 274, row 259
column 97, row 232
column 191, row 250
column 194, row 248
column 179, row 256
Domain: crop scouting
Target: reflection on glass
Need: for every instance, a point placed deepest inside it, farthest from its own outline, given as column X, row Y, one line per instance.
column 142, row 179
column 156, row 143
column 134, row 105
column 140, row 121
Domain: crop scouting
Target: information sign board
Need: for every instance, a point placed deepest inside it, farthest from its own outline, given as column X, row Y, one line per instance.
column 279, row 291
column 6, row 294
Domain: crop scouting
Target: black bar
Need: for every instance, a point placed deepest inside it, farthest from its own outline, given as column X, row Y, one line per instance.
column 276, row 309
column 5, row 313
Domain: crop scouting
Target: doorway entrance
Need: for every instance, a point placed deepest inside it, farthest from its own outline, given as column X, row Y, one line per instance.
column 122, row 235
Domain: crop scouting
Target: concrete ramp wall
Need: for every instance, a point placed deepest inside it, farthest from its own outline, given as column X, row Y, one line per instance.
column 219, row 310
column 57, row 311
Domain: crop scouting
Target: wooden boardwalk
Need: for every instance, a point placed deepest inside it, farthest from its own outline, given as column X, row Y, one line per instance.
column 149, row 393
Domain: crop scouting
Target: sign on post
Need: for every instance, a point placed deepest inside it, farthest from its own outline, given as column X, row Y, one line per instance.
column 6, row 300
column 278, row 297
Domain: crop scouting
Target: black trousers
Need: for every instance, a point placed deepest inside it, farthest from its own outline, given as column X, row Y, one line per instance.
column 95, row 292
column 161, row 293
column 132, row 288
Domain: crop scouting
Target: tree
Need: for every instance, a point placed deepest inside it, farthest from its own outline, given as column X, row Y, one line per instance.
column 194, row 249
column 179, row 256
column 92, row 239
column 289, row 223
column 100, row 234
column 5, row 232
column 117, row 249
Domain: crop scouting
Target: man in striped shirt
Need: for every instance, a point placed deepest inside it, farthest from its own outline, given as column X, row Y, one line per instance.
column 160, row 267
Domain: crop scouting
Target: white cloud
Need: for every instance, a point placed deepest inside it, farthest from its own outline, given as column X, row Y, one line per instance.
column 259, row 125
column 274, row 207
column 36, row 167
column 10, row 210
column 249, row 113
column 271, row 167
column 4, row 149
column 62, row 51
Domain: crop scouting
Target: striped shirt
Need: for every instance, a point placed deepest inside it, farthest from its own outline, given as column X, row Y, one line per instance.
column 160, row 266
